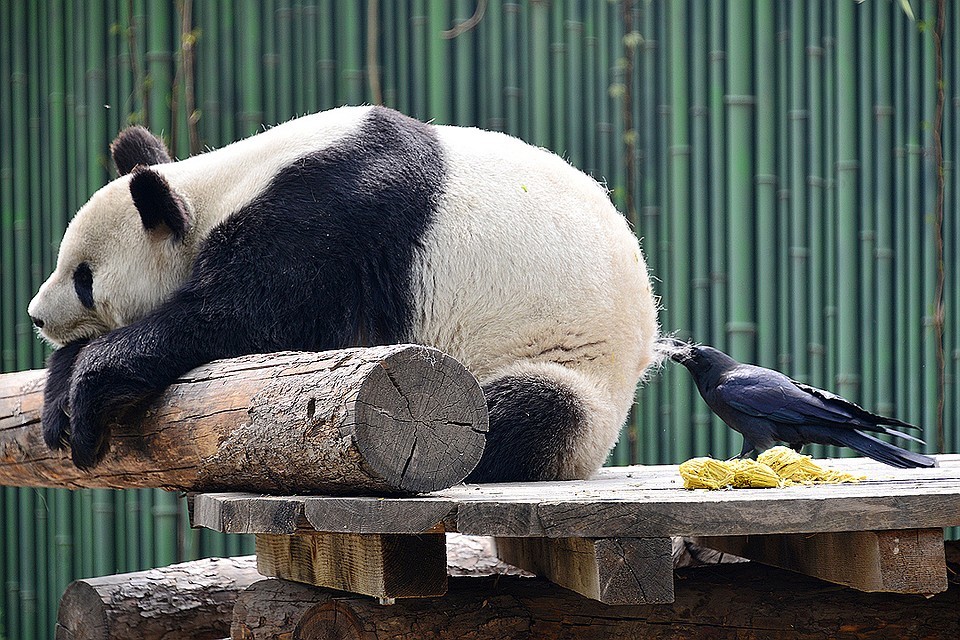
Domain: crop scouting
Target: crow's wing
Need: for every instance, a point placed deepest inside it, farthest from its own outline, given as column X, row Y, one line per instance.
column 832, row 399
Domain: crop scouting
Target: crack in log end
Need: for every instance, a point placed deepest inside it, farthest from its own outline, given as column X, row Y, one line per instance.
column 406, row 465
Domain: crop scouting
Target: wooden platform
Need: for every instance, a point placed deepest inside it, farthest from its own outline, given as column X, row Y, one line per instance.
column 608, row 538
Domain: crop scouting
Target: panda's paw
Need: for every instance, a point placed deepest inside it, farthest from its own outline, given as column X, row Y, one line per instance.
column 88, row 449
column 56, row 423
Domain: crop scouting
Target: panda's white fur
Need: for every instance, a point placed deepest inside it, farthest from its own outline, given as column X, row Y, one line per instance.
column 526, row 270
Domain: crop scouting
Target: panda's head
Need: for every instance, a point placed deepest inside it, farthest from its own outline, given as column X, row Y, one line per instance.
column 122, row 254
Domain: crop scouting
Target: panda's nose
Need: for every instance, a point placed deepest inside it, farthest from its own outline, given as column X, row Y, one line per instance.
column 37, row 322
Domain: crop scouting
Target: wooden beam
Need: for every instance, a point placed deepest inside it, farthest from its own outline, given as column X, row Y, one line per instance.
column 611, row 570
column 394, row 419
column 383, row 566
column 188, row 600
column 904, row 561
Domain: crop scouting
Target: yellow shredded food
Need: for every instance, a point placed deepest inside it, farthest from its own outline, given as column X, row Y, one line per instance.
column 776, row 467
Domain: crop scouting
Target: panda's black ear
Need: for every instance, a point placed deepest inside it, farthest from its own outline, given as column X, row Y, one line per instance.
column 136, row 145
column 159, row 205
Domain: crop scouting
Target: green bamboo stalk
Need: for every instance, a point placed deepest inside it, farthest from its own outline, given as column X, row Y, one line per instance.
column 299, row 59
column 538, row 73
column 766, row 181
column 558, row 78
column 740, row 102
column 7, row 279
column 35, row 185
column 867, row 316
column 886, row 179
column 617, row 99
column 438, row 63
column 491, row 90
column 226, row 67
column 928, row 239
column 21, row 195
column 784, row 181
column 120, row 532
column 147, row 530
column 511, row 61
column 800, row 119
column 270, row 61
column 573, row 100
column 602, row 81
column 666, row 449
column 208, row 92
column 134, row 517
column 12, row 613
column 723, row 442
column 700, row 211
column 900, row 217
column 418, row 55
column 914, row 235
column 63, row 541
column 402, row 28
column 848, row 209
column 588, row 89
column 326, row 67
column 650, row 211
column 678, row 215
column 817, row 300
column 388, row 52
column 464, row 50
column 284, row 35
column 250, row 117
column 830, row 225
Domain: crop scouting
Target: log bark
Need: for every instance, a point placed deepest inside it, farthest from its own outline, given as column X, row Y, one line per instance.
column 188, row 600
column 396, row 419
column 741, row 601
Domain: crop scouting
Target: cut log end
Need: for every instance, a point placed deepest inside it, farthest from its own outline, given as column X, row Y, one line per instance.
column 420, row 420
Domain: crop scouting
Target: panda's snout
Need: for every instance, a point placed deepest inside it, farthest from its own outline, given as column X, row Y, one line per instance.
column 37, row 322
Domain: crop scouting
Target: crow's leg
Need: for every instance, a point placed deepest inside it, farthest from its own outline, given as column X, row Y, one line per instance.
column 748, row 450
column 797, row 446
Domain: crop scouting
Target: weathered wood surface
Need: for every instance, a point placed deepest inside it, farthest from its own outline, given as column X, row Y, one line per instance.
column 610, row 570
column 640, row 502
column 744, row 601
column 382, row 566
column 395, row 419
column 188, row 600
column 900, row 561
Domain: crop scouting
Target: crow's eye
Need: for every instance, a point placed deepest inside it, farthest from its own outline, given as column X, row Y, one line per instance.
column 83, row 284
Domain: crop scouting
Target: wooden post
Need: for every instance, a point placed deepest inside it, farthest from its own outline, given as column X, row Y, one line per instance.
column 382, row 566
column 898, row 561
column 394, row 419
column 188, row 600
column 611, row 570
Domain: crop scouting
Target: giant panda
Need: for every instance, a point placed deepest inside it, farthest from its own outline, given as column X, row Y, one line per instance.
column 353, row 227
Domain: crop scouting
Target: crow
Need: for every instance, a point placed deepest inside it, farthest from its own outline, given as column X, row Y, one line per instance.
column 767, row 407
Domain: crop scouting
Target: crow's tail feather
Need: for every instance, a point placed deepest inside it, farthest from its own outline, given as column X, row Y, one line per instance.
column 882, row 451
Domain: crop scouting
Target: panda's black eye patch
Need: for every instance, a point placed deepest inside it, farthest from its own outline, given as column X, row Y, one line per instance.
column 83, row 284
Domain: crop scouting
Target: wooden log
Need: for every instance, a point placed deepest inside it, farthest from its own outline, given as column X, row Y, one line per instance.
column 188, row 600
column 611, row 570
column 383, row 566
column 904, row 561
column 745, row 601
column 396, row 419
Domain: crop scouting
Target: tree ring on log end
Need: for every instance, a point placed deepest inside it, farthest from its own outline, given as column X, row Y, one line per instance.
column 331, row 621
column 420, row 420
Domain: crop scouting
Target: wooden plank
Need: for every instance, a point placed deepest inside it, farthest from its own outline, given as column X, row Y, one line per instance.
column 610, row 570
column 908, row 561
column 383, row 566
column 249, row 513
column 373, row 515
column 628, row 502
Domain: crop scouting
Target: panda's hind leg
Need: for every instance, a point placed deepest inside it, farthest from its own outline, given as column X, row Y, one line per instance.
column 547, row 422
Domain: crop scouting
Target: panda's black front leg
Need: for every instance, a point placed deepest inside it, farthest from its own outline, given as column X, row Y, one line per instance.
column 126, row 367
column 55, row 419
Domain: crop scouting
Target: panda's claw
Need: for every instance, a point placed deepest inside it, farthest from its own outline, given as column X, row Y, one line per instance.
column 56, row 426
